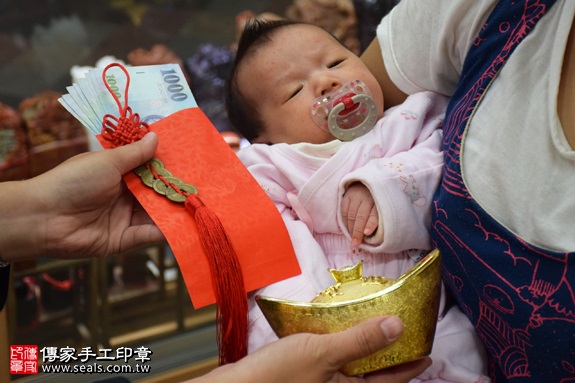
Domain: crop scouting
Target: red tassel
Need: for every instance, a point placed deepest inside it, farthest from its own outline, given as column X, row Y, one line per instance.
column 227, row 280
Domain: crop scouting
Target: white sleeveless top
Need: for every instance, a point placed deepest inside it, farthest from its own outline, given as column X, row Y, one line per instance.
column 516, row 161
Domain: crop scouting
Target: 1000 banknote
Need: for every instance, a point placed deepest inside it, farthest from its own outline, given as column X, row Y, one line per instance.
column 155, row 91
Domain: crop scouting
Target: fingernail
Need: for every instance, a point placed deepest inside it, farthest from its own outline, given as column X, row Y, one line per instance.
column 148, row 136
column 392, row 327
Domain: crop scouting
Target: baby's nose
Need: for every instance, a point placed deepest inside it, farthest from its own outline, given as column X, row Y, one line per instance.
column 329, row 85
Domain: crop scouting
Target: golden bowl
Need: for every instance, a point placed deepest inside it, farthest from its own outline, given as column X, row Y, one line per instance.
column 413, row 297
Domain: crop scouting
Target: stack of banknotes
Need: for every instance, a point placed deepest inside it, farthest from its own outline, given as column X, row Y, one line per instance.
column 155, row 91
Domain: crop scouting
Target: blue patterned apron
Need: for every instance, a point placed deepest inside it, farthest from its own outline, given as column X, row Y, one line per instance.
column 520, row 298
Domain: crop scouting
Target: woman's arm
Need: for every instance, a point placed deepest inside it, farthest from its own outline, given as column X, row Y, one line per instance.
column 373, row 58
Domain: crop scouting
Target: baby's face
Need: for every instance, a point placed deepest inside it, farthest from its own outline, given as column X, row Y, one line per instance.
column 286, row 75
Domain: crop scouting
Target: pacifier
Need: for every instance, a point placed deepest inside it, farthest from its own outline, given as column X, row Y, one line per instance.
column 347, row 113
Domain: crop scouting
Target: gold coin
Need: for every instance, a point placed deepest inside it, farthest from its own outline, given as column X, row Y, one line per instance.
column 156, row 163
column 173, row 195
column 140, row 169
column 161, row 187
column 148, row 177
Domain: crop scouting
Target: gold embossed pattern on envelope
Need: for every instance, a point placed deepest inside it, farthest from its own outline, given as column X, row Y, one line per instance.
column 413, row 297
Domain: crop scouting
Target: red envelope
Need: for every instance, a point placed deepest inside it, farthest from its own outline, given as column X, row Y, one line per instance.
column 193, row 150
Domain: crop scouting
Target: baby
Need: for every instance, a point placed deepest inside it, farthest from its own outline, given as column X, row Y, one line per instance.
column 352, row 182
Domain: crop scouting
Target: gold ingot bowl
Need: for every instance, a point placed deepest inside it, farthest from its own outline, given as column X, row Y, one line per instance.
column 413, row 297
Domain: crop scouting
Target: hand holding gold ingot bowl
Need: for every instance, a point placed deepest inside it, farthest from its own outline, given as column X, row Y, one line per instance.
column 413, row 297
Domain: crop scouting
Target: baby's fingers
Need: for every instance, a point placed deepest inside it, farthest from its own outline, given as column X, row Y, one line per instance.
column 363, row 222
column 372, row 222
column 349, row 209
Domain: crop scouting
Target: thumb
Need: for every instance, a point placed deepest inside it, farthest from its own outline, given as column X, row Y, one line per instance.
column 365, row 339
column 135, row 154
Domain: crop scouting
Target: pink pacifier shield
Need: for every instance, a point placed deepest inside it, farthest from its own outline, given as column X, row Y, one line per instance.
column 348, row 112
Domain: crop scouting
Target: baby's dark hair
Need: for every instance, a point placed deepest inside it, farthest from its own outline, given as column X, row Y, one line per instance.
column 243, row 115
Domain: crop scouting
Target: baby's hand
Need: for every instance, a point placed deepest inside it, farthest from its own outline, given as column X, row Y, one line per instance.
column 359, row 212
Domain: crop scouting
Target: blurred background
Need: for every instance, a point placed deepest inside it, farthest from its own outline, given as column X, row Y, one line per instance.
column 135, row 299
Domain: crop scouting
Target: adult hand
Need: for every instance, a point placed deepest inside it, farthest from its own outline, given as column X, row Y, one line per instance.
column 309, row 358
column 81, row 208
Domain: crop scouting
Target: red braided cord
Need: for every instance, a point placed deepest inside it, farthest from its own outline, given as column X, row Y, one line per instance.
column 127, row 128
